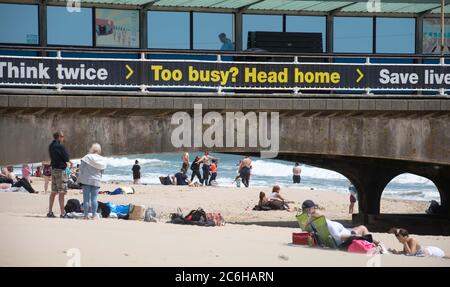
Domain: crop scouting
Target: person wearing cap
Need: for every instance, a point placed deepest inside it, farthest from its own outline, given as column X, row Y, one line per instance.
column 336, row 229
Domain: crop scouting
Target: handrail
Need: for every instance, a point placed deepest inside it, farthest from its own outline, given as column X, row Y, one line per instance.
column 215, row 53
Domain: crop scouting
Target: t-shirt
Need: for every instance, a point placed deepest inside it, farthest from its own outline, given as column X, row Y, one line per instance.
column 337, row 230
column 136, row 171
column 58, row 155
column 227, row 46
column 213, row 168
column 181, row 178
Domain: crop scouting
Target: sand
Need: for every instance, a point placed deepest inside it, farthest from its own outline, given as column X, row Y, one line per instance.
column 250, row 238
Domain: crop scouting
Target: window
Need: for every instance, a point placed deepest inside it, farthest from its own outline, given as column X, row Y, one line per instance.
column 168, row 30
column 396, row 35
column 310, row 24
column 267, row 23
column 353, row 34
column 432, row 36
column 117, row 28
column 208, row 29
column 19, row 24
column 65, row 28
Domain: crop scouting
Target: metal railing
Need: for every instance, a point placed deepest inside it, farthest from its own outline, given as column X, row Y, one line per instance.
column 215, row 57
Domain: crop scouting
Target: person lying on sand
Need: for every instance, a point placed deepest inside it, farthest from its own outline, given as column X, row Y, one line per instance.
column 412, row 247
column 277, row 201
column 337, row 230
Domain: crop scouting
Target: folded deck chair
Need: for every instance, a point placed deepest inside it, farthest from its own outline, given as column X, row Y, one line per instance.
column 319, row 228
column 302, row 219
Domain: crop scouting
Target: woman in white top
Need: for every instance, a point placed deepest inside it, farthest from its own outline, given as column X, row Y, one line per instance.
column 91, row 170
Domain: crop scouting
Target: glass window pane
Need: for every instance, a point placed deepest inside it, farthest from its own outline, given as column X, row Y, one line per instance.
column 65, row 28
column 432, row 36
column 353, row 34
column 19, row 24
column 396, row 35
column 208, row 27
column 266, row 23
column 168, row 30
column 309, row 24
column 117, row 28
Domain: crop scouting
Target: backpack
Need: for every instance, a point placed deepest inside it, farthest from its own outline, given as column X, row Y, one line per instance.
column 196, row 215
column 72, row 205
column 47, row 170
column 150, row 215
column 104, row 209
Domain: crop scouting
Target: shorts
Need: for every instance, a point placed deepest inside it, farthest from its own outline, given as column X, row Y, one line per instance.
column 59, row 181
column 352, row 198
column 296, row 178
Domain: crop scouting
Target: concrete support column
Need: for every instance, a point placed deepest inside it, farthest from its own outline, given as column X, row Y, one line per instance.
column 370, row 183
column 442, row 182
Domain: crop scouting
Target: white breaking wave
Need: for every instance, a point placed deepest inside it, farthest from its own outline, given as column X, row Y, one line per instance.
column 412, row 178
column 269, row 168
column 124, row 161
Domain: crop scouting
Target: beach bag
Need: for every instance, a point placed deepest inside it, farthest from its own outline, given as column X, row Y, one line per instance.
column 137, row 212
column 72, row 205
column 361, row 246
column 301, row 238
column 216, row 218
column 150, row 215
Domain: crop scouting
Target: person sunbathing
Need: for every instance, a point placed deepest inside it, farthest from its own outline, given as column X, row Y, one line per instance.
column 412, row 247
column 263, row 199
column 277, row 201
column 336, row 229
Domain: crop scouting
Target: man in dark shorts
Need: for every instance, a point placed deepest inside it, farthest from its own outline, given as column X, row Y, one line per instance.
column 59, row 159
column 136, row 172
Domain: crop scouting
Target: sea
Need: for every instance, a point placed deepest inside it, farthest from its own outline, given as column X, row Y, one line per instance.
column 265, row 173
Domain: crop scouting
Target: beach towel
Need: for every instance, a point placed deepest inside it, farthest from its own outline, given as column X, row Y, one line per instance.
column 127, row 190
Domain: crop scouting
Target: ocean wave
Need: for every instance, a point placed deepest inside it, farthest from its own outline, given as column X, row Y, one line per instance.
column 411, row 178
column 125, row 161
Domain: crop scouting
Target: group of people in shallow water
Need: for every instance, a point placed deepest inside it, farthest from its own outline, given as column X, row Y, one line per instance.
column 205, row 169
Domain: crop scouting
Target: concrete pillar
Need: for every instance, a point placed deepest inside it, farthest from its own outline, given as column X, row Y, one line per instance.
column 370, row 182
column 442, row 182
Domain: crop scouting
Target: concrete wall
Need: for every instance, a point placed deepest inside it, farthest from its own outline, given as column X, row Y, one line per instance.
column 25, row 134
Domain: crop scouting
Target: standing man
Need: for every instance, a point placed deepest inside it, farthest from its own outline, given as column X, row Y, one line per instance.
column 206, row 167
column 136, row 172
column 244, row 170
column 59, row 159
column 296, row 173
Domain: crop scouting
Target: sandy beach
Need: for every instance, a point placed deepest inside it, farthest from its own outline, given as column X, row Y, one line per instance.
column 250, row 238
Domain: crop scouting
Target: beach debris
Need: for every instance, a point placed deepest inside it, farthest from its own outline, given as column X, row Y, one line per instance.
column 283, row 257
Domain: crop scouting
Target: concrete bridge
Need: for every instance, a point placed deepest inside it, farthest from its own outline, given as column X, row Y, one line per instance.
column 369, row 140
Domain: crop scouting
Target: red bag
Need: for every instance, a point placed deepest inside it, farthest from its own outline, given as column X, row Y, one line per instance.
column 301, row 238
column 216, row 218
column 361, row 246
